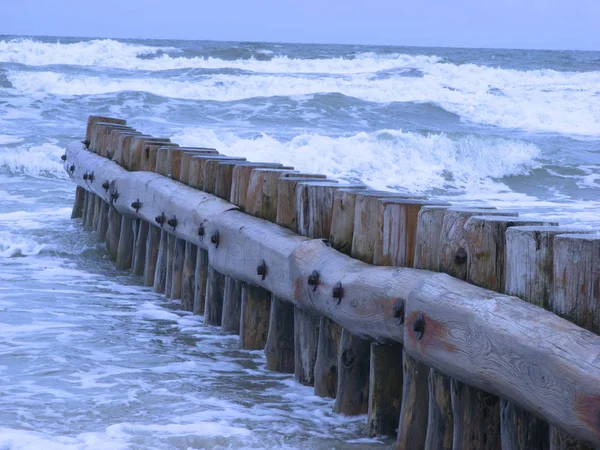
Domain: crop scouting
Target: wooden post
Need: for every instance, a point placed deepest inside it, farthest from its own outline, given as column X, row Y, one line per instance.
column 440, row 421
column 171, row 241
column 113, row 232
column 125, row 245
column 160, row 272
column 279, row 348
column 193, row 165
column 178, row 262
column 79, row 201
column 132, row 156
column 124, row 142
column 141, row 242
column 187, row 276
column 103, row 221
column 250, row 181
column 576, row 297
column 174, row 160
column 92, row 120
column 477, row 413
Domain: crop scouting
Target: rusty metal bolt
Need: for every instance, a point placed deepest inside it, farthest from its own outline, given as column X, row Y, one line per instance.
column 85, row 176
column 201, row 231
column 398, row 311
column 91, row 177
column 338, row 292
column 114, row 196
column 313, row 280
column 86, row 143
column 261, row 270
column 419, row 326
column 172, row 222
column 63, row 157
column 72, row 168
column 106, row 185
column 461, row 256
column 160, row 219
column 214, row 239
column 136, row 205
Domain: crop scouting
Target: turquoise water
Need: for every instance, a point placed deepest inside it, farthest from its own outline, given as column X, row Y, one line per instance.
column 88, row 359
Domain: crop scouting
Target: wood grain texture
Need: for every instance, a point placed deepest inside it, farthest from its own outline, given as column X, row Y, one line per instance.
column 232, row 305
column 326, row 363
column 95, row 119
column 385, row 389
column 78, row 205
column 354, row 354
column 287, row 209
column 187, row 277
column 160, row 271
column 152, row 248
column 279, row 348
column 254, row 317
column 200, row 280
column 440, row 419
column 427, row 245
column 492, row 341
column 125, row 244
column 139, row 260
column 306, row 338
column 178, row 257
column 103, row 221
column 453, row 244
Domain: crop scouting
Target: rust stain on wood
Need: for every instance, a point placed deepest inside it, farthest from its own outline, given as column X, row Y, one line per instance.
column 587, row 409
column 435, row 335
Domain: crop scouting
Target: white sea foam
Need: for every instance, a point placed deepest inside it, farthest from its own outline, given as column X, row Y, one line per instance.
column 384, row 159
column 114, row 54
column 8, row 139
column 36, row 160
column 537, row 100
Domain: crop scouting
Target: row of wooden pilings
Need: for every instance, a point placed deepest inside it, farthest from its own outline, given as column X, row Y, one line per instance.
column 556, row 268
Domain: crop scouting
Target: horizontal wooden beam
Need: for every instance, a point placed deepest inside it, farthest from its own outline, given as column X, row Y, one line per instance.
column 495, row 342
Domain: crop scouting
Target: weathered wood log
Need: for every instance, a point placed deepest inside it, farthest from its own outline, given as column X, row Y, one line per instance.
column 255, row 301
column 132, row 156
column 100, row 131
column 215, row 289
column 123, row 141
column 366, row 208
column 152, row 248
column 385, row 389
column 92, row 120
column 576, row 283
column 254, row 317
column 160, row 271
column 262, row 191
column 287, row 210
column 397, row 220
column 113, row 232
column 117, row 139
column 174, row 160
column 477, row 413
column 197, row 165
column 149, row 156
column 413, row 412
column 96, row 218
column 79, row 201
column 326, row 363
column 352, row 397
column 279, row 348
column 178, row 257
column 306, row 339
column 440, row 419
column 453, row 258
column 232, row 305
column 169, row 263
column 576, row 297
column 200, row 278
column 528, row 275
column 125, row 244
column 141, row 242
column 527, row 343
column 103, row 221
column 187, row 277
column 486, row 248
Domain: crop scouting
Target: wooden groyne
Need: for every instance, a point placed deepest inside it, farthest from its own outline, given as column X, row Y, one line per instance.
column 400, row 307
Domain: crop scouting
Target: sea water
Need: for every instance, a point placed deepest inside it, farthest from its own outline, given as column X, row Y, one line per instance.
column 91, row 360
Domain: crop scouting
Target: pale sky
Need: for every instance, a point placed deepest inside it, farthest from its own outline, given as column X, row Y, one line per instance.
column 551, row 24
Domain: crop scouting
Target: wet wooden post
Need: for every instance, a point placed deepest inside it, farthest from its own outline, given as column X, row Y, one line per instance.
column 103, row 221
column 79, row 201
column 306, row 325
column 192, row 167
column 575, row 297
column 452, row 259
column 255, row 310
column 440, row 421
column 477, row 413
column 279, row 348
column 254, row 302
column 397, row 385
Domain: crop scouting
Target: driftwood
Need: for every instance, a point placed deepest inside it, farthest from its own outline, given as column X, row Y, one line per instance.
column 491, row 341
